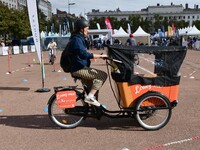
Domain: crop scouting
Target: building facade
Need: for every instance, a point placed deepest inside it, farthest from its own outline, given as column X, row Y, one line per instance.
column 10, row 3
column 44, row 6
column 169, row 12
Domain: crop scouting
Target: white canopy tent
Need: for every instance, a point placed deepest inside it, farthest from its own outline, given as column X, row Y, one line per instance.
column 141, row 36
column 140, row 32
column 194, row 31
column 190, row 31
column 103, row 33
column 185, row 33
column 120, row 33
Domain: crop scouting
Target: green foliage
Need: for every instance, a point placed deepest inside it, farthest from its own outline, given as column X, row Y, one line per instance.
column 197, row 24
column 15, row 23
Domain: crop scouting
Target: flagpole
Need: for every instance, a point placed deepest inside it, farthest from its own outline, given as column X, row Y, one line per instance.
column 34, row 22
column 43, row 89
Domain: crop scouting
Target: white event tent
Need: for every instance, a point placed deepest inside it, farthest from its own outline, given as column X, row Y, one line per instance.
column 141, row 36
column 189, row 31
column 121, row 35
column 194, row 31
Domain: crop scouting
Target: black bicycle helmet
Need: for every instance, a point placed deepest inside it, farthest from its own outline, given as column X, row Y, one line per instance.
column 80, row 24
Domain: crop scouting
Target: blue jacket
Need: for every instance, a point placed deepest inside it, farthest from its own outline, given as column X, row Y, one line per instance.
column 78, row 48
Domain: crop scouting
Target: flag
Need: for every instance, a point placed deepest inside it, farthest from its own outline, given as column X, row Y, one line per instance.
column 163, row 29
column 73, row 25
column 33, row 18
column 68, row 27
column 52, row 28
column 170, row 31
column 98, row 26
column 60, row 28
column 173, row 28
column 129, row 29
column 108, row 24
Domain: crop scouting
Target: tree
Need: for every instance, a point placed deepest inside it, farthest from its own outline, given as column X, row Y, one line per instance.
column 15, row 23
column 134, row 22
column 4, row 20
column 197, row 24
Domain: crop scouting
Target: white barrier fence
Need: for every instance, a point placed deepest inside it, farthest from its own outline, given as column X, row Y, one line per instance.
column 33, row 48
column 17, row 50
column 25, row 49
column 4, row 51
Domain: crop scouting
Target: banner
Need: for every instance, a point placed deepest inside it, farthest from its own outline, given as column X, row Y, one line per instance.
column 173, row 28
column 68, row 26
column 170, row 31
column 33, row 18
column 108, row 24
column 129, row 29
column 98, row 26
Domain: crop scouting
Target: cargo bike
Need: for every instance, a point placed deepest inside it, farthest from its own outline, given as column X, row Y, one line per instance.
column 149, row 98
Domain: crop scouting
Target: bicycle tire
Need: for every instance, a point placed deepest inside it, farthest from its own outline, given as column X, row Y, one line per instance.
column 59, row 116
column 153, row 111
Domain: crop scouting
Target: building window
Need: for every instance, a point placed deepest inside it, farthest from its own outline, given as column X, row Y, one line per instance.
column 183, row 17
column 188, row 17
column 193, row 17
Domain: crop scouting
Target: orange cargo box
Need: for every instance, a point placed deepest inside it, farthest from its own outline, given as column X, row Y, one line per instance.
column 129, row 93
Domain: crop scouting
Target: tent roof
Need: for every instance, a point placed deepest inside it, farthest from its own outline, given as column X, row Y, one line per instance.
column 120, row 33
column 194, row 31
column 140, row 32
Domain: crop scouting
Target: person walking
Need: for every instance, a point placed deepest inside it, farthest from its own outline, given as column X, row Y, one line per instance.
column 91, row 77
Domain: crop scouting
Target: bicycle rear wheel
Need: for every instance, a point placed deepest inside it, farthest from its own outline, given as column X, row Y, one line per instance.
column 61, row 117
column 153, row 111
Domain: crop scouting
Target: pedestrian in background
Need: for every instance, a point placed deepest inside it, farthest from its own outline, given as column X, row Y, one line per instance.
column 131, row 41
column 52, row 49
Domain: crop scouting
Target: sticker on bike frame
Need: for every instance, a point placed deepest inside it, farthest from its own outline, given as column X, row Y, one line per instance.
column 66, row 99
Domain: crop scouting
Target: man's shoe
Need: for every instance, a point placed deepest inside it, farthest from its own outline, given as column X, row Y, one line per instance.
column 92, row 101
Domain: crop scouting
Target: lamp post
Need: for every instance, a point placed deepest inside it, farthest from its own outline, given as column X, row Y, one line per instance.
column 69, row 6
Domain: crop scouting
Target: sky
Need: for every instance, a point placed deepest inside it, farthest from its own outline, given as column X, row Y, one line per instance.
column 85, row 6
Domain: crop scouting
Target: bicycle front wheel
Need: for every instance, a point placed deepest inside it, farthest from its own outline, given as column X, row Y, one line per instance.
column 153, row 111
column 61, row 117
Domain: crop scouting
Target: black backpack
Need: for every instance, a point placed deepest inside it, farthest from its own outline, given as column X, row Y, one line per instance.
column 66, row 59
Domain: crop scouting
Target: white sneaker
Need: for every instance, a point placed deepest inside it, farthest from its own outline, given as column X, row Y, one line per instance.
column 92, row 101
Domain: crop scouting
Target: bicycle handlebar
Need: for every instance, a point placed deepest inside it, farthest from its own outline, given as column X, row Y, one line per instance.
column 111, row 59
column 115, row 60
